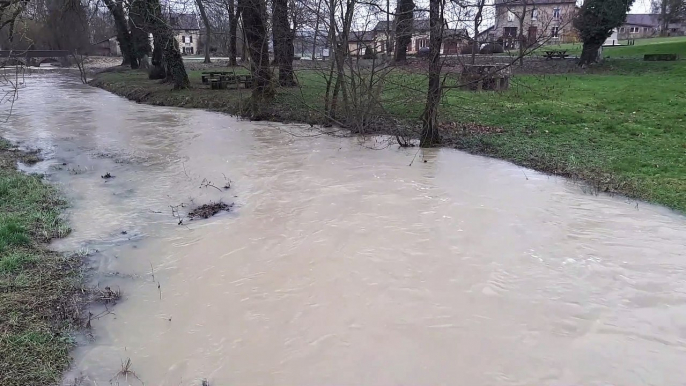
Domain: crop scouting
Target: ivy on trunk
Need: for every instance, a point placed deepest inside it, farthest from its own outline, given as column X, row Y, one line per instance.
column 430, row 135
column 123, row 35
column 254, row 17
column 403, row 29
column 595, row 21
column 283, row 42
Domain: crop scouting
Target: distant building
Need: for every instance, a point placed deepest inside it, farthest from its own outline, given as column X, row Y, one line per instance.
column 377, row 38
column 186, row 27
column 358, row 41
column 106, row 47
column 646, row 25
column 545, row 21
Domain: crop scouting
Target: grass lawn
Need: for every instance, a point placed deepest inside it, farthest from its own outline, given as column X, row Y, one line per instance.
column 619, row 127
column 667, row 45
column 37, row 287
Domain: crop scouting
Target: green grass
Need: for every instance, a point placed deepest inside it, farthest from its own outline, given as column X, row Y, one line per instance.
column 37, row 287
column 667, row 45
column 619, row 127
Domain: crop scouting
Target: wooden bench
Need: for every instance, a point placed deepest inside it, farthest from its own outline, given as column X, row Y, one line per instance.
column 208, row 75
column 660, row 57
column 555, row 54
column 479, row 77
column 222, row 81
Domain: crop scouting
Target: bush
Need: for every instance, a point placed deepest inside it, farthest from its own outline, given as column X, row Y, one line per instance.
column 469, row 48
column 492, row 48
column 369, row 53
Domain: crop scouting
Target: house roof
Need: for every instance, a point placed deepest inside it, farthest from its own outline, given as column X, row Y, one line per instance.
column 417, row 25
column 361, row 36
column 643, row 19
column 184, row 21
column 532, row 2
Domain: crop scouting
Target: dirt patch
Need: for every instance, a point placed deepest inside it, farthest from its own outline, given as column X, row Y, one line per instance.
column 209, row 210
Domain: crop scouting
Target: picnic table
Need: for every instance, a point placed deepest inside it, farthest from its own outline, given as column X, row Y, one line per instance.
column 478, row 77
column 221, row 79
column 555, row 54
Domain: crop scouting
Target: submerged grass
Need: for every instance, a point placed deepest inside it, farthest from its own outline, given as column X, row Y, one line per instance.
column 39, row 289
column 619, row 126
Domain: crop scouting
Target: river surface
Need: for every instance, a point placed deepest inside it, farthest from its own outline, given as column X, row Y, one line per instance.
column 342, row 265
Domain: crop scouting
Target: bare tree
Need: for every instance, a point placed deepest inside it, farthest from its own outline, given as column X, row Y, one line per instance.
column 208, row 32
column 430, row 135
column 253, row 13
column 123, row 35
column 283, row 42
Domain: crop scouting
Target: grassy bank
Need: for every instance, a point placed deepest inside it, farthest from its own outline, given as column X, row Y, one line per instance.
column 618, row 127
column 38, row 288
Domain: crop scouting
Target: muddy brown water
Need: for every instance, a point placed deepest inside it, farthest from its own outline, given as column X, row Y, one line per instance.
column 341, row 265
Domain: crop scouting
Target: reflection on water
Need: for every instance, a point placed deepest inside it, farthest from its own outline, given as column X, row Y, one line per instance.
column 344, row 265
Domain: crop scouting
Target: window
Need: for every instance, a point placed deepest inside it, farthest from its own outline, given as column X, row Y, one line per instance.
column 183, row 39
column 510, row 16
column 534, row 14
column 621, row 30
column 633, row 30
column 555, row 32
column 191, row 39
column 556, row 13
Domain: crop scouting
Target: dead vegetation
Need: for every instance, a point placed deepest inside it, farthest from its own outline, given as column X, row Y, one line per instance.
column 208, row 210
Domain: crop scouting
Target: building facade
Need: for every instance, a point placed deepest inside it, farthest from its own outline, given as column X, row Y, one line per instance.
column 646, row 25
column 379, row 38
column 186, row 27
column 533, row 22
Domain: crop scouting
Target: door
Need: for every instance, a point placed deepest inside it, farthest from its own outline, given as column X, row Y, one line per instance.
column 510, row 37
column 533, row 35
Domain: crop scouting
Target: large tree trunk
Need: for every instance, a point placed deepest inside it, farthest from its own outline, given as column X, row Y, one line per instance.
column 283, row 42
column 208, row 36
column 589, row 53
column 123, row 35
column 158, row 70
column 255, row 25
column 173, row 61
column 139, row 31
column 430, row 135
column 316, row 30
column 233, row 29
column 403, row 29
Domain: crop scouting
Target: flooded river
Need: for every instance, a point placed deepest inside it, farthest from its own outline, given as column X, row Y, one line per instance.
column 341, row 265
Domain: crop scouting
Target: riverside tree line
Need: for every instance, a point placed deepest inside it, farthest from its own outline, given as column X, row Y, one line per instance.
column 274, row 23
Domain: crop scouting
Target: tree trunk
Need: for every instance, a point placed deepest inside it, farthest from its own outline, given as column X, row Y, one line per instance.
column 316, row 30
column 255, row 26
column 233, row 29
column 158, row 70
column 430, row 135
column 123, row 35
column 589, row 53
column 208, row 36
column 403, row 29
column 139, row 31
column 173, row 61
column 283, row 42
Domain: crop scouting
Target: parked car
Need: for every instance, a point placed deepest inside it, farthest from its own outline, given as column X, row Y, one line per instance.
column 423, row 52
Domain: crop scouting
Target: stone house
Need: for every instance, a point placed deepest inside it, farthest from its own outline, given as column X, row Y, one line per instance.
column 186, row 27
column 644, row 25
column 378, row 38
column 358, row 41
column 544, row 21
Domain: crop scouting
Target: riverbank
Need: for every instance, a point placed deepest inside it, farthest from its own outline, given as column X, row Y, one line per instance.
column 617, row 127
column 39, row 289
